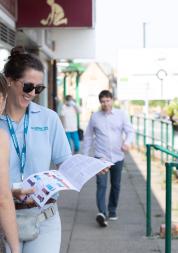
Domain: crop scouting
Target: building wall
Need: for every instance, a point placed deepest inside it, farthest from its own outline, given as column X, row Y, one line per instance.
column 7, row 21
column 92, row 82
column 72, row 44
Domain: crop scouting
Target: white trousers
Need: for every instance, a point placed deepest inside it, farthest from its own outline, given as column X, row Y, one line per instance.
column 48, row 240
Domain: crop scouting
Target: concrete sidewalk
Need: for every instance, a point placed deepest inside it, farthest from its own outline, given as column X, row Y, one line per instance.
column 81, row 234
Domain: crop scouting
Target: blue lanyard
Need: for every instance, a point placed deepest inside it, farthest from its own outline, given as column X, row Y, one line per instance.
column 22, row 155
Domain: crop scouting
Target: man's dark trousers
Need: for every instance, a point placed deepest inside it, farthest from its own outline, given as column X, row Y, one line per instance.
column 115, row 180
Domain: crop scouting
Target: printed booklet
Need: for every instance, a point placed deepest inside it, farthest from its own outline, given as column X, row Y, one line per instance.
column 72, row 175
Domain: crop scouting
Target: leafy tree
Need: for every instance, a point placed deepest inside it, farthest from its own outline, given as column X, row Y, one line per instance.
column 172, row 111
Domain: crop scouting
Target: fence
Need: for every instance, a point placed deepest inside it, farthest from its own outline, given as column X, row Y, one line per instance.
column 168, row 215
column 159, row 132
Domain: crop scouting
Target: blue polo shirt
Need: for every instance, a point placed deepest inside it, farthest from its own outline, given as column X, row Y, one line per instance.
column 46, row 142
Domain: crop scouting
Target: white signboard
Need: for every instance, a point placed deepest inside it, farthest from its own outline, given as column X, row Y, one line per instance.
column 147, row 74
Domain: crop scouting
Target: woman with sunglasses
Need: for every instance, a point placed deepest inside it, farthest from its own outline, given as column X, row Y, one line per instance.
column 7, row 211
column 37, row 141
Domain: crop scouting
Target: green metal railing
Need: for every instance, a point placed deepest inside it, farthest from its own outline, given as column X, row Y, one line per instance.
column 168, row 215
column 153, row 131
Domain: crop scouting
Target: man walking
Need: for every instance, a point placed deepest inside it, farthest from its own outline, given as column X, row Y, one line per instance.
column 105, row 130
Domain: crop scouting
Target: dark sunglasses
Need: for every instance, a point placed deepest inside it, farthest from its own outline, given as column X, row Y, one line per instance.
column 29, row 87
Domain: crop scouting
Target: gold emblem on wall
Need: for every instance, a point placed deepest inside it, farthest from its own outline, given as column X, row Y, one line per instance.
column 56, row 16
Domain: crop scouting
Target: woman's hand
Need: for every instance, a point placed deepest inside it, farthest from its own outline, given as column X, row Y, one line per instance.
column 23, row 195
column 104, row 171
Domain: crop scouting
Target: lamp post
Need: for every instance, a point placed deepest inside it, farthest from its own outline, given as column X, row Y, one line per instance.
column 161, row 75
column 144, row 34
column 146, row 105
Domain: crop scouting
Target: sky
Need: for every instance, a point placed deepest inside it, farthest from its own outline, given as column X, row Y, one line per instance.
column 119, row 25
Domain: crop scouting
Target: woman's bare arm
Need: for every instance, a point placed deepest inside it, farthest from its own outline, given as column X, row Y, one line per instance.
column 7, row 210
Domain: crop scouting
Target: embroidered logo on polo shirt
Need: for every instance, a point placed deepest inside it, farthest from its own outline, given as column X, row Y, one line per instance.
column 45, row 128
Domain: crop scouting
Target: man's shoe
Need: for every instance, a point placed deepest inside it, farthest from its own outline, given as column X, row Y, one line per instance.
column 101, row 220
column 113, row 217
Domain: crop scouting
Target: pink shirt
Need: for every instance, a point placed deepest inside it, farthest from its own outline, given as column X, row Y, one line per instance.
column 107, row 132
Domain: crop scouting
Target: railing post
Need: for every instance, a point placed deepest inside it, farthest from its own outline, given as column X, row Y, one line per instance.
column 172, row 138
column 153, row 133
column 144, row 130
column 168, row 207
column 167, row 138
column 138, row 133
column 161, row 141
column 131, row 119
column 148, row 191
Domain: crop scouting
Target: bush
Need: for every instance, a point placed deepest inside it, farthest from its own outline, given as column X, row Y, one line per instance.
column 172, row 111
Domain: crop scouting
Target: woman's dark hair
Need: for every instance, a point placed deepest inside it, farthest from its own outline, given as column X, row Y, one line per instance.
column 105, row 93
column 19, row 61
column 3, row 85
